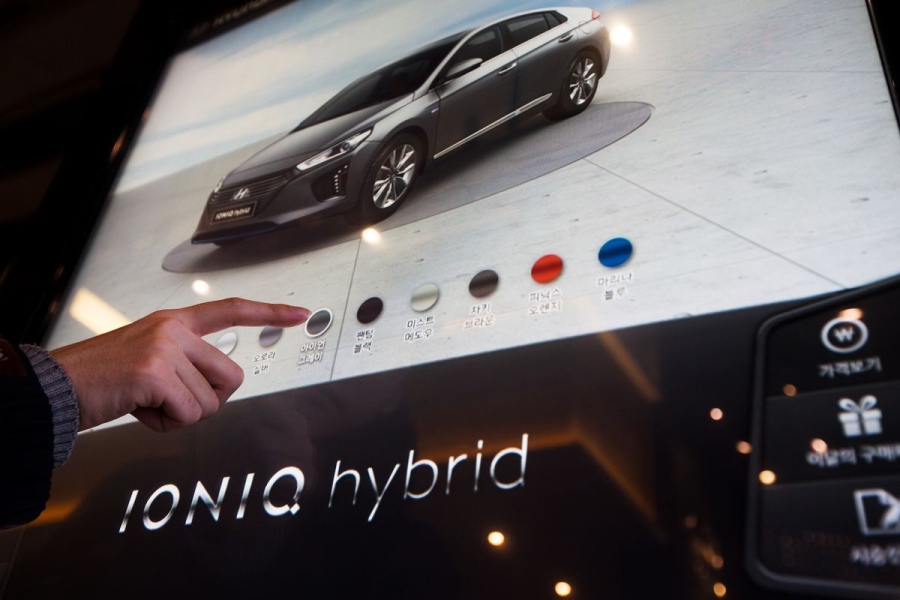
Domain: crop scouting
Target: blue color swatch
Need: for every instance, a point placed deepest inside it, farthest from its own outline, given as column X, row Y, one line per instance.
column 615, row 252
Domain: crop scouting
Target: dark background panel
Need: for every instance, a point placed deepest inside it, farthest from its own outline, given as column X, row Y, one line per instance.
column 631, row 489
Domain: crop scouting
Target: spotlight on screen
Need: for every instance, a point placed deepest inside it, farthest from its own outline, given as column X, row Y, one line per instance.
column 371, row 236
column 620, row 35
column 95, row 314
column 200, row 287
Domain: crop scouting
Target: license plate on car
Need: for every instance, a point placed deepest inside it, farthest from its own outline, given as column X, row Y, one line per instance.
column 235, row 212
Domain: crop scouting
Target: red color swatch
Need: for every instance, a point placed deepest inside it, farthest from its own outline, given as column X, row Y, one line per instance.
column 547, row 268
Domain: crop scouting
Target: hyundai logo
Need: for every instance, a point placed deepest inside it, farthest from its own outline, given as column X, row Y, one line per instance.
column 241, row 194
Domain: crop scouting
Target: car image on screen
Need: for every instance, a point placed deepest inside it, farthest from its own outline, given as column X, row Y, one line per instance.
column 361, row 152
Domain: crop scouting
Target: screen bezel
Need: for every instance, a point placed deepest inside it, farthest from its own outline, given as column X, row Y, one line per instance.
column 36, row 280
column 34, row 289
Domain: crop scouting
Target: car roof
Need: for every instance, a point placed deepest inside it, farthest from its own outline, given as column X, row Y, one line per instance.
column 461, row 35
column 561, row 9
column 465, row 36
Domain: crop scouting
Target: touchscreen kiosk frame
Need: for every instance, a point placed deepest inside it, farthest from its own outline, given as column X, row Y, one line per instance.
column 628, row 429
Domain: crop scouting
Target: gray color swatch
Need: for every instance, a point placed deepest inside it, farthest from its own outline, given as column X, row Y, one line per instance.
column 319, row 322
column 270, row 336
column 227, row 341
column 425, row 297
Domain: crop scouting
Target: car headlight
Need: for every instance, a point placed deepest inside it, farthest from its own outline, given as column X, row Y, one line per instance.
column 335, row 151
column 218, row 185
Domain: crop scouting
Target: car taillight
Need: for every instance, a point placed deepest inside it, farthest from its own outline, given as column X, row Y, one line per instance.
column 595, row 15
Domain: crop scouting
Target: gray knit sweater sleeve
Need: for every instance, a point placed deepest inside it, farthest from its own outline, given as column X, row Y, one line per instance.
column 63, row 401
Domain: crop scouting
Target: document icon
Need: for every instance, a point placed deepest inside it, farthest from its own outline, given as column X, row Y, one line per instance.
column 878, row 512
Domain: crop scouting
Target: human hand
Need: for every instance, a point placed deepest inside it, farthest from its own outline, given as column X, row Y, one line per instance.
column 159, row 370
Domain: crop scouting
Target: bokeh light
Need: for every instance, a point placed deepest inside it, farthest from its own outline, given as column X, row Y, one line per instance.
column 562, row 589
column 819, row 445
column 851, row 313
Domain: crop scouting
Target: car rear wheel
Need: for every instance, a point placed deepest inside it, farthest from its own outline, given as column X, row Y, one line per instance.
column 389, row 180
column 579, row 86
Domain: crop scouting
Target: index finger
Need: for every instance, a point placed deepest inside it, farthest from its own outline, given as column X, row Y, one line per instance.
column 210, row 317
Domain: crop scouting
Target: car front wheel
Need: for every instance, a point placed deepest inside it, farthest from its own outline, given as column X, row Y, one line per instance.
column 389, row 180
column 578, row 87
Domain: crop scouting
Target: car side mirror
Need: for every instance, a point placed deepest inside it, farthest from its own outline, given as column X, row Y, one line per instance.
column 463, row 67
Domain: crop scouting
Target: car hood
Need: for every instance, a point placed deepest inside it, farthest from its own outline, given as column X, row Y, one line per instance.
column 301, row 144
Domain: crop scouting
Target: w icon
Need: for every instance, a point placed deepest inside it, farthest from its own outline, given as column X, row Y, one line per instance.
column 844, row 335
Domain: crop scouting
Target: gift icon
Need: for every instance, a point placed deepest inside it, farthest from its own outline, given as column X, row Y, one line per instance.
column 860, row 418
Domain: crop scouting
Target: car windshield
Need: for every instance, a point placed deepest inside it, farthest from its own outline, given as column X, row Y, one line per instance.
column 393, row 81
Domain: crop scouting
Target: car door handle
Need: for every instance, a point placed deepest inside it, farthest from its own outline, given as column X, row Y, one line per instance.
column 566, row 37
column 506, row 69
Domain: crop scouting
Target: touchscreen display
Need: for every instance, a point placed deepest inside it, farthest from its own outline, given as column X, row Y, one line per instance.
column 538, row 242
column 443, row 180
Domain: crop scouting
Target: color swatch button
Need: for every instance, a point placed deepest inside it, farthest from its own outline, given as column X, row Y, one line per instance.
column 615, row 252
column 319, row 322
column 369, row 310
column 226, row 342
column 270, row 336
column 425, row 297
column 547, row 268
column 484, row 283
